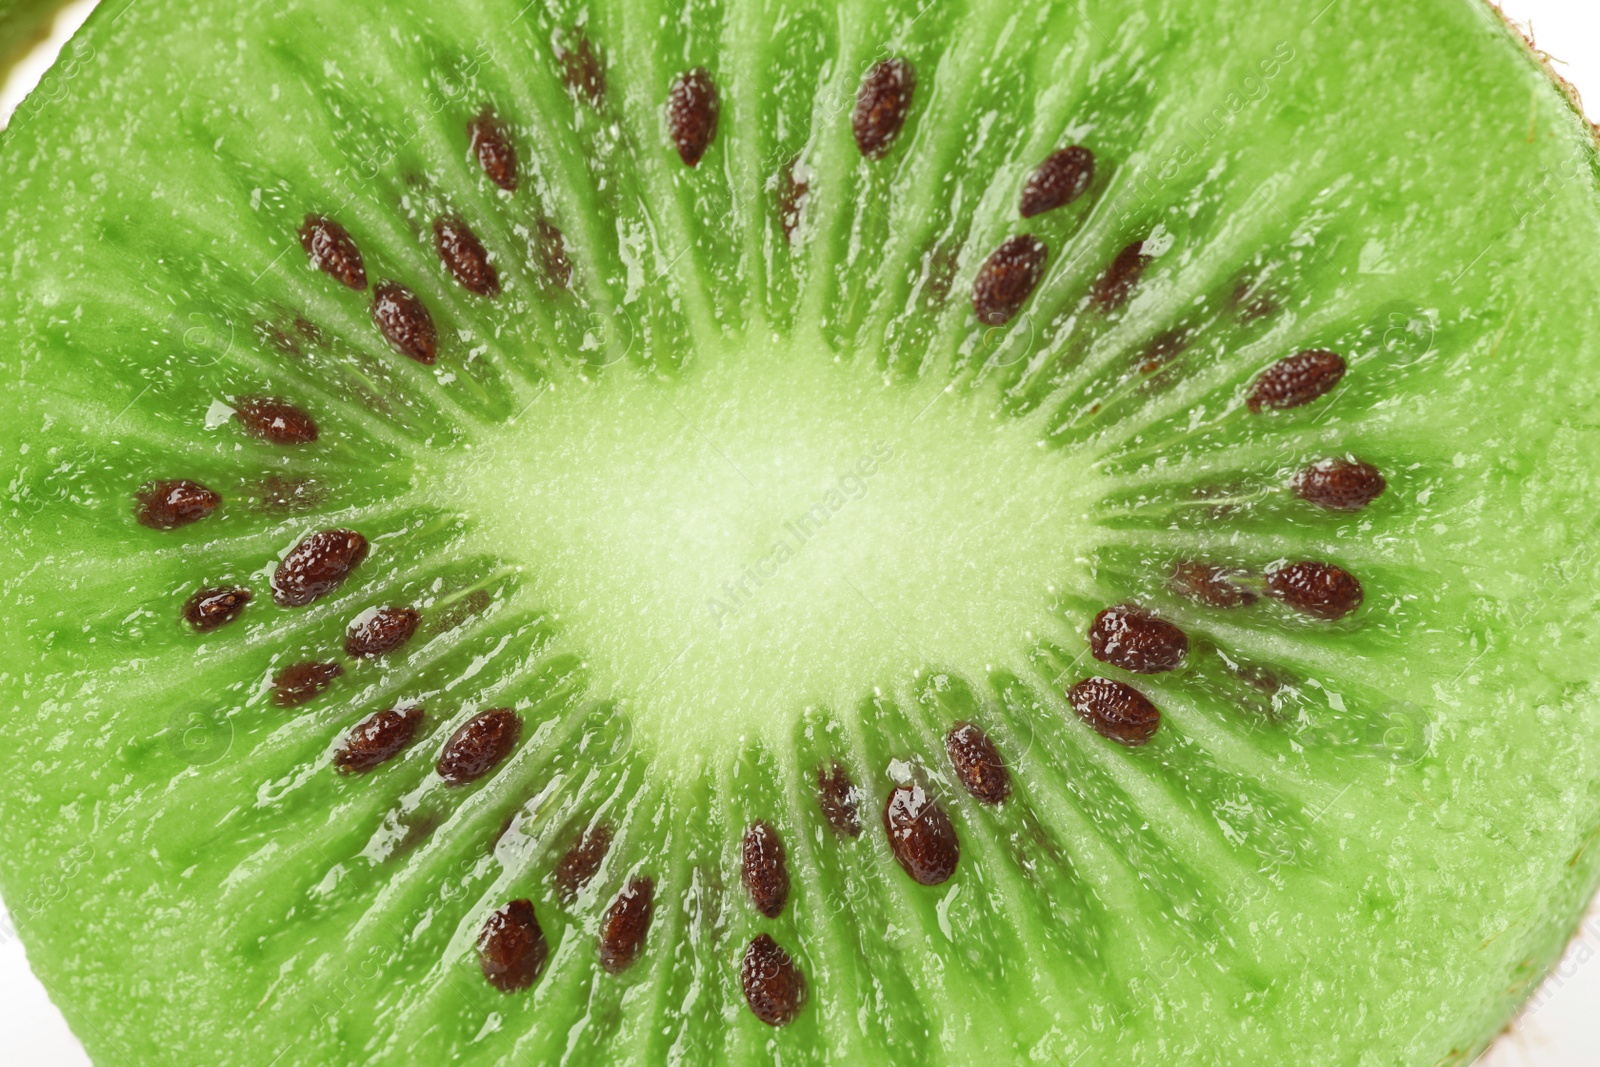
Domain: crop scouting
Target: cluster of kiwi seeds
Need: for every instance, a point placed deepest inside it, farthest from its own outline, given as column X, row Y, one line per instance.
column 512, row 948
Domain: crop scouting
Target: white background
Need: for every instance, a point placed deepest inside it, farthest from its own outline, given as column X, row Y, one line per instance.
column 1560, row 1028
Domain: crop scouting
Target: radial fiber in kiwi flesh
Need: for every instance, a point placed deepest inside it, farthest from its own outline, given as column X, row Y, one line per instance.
column 605, row 533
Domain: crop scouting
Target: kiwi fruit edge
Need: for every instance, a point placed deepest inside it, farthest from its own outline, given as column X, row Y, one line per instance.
column 607, row 533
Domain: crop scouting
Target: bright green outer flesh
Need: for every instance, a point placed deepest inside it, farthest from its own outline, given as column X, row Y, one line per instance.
column 1375, row 870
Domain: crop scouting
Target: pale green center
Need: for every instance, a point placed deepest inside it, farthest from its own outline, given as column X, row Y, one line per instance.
column 775, row 530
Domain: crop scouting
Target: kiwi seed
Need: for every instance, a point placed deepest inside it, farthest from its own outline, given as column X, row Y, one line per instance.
column 479, row 745
column 921, row 835
column 882, row 104
column 1321, row 590
column 301, row 682
column 1339, row 484
column 839, row 799
column 1117, row 711
column 404, row 322
column 581, row 68
column 773, row 987
column 1297, row 380
column 512, row 950
column 692, row 114
column 1115, row 287
column 1007, row 278
column 1129, row 637
column 977, row 763
column 275, row 421
column 1210, row 585
column 764, row 869
column 464, row 256
column 377, row 739
column 380, row 632
column 1064, row 176
column 171, row 504
column 492, row 146
column 625, row 925
column 333, row 251
column 317, row 566
column 582, row 860
column 210, row 608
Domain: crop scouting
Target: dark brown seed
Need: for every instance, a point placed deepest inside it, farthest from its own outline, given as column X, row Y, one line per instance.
column 1060, row 179
column 377, row 739
column 692, row 109
column 211, row 608
column 881, row 106
column 492, row 145
column 773, row 987
column 1117, row 712
column 1297, row 380
column 317, row 566
column 169, row 505
column 920, row 835
column 1318, row 589
column 380, row 633
column 765, row 869
column 582, row 861
column 837, row 794
column 1339, row 484
column 793, row 185
column 626, row 922
column 333, row 251
column 512, row 949
column 300, row 682
column 1007, row 278
column 464, row 256
column 405, row 322
column 277, row 422
column 977, row 763
column 1209, row 585
column 581, row 69
column 550, row 248
column 1115, row 287
column 479, row 745
column 1129, row 637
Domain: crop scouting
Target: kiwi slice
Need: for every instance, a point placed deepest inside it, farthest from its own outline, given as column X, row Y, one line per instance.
column 734, row 531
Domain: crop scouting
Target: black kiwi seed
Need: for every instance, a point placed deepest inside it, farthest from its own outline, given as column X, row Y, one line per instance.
column 792, row 192
column 1115, row 287
column 1117, row 711
column 171, row 504
column 1129, row 637
column 1007, row 278
column 1339, row 484
column 773, row 986
column 317, row 566
column 404, row 322
column 377, row 739
column 837, row 795
column 464, row 256
column 333, row 251
column 977, row 763
column 582, row 861
column 300, row 682
column 550, row 249
column 384, row 631
column 492, row 145
column 692, row 109
column 1207, row 584
column 1059, row 180
column 581, row 70
column 1318, row 589
column 211, row 608
column 1296, row 380
column 512, row 949
column 478, row 746
column 765, row 869
column 882, row 103
column 626, row 922
column 275, row 421
column 920, row 835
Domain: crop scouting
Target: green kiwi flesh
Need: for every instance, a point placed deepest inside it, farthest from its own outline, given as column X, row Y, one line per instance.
column 735, row 531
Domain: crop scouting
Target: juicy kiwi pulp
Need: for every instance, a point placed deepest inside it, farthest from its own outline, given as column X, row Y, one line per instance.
column 837, row 533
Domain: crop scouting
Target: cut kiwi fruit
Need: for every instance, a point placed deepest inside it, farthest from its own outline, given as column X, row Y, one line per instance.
column 601, row 533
